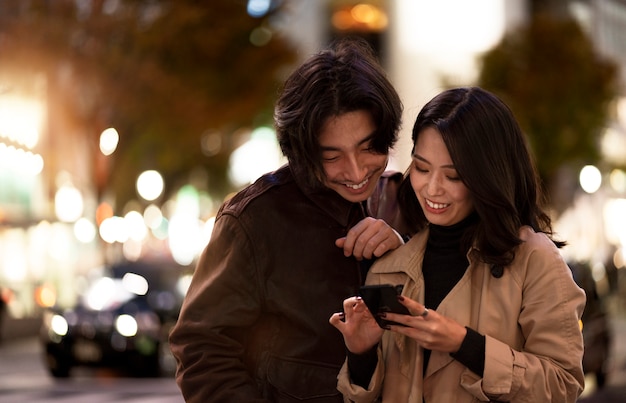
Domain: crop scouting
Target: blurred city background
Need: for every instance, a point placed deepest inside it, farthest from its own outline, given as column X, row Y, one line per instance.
column 124, row 124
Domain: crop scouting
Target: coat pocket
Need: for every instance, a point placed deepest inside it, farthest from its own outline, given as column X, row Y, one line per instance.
column 302, row 381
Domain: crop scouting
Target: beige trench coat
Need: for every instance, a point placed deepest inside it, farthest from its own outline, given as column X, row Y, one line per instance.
column 530, row 317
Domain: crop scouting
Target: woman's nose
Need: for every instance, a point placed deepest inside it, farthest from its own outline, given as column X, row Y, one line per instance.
column 434, row 185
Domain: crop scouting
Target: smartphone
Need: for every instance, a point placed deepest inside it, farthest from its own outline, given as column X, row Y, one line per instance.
column 383, row 298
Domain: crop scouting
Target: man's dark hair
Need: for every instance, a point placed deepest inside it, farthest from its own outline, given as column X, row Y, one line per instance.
column 346, row 77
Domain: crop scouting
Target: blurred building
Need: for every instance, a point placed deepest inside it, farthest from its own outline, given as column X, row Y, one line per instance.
column 605, row 21
column 53, row 224
column 424, row 45
column 45, row 188
column 427, row 46
column 595, row 224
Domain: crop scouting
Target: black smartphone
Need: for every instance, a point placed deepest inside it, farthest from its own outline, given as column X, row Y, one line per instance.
column 383, row 298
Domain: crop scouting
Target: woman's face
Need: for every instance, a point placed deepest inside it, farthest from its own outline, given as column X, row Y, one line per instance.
column 441, row 193
column 351, row 165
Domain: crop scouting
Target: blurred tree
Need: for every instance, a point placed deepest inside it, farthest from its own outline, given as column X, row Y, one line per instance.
column 557, row 86
column 175, row 78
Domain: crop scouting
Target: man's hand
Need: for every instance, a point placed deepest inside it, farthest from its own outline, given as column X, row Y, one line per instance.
column 369, row 238
column 358, row 326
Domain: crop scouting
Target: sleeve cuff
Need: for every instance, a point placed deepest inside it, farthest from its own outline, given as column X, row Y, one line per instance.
column 472, row 352
column 362, row 366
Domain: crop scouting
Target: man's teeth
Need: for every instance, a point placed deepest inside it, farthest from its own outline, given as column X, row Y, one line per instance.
column 358, row 186
column 436, row 205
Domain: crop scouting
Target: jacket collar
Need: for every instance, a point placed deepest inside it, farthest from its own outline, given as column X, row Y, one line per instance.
column 407, row 259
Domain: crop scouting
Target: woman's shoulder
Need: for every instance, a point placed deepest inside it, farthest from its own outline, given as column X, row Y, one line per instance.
column 537, row 252
column 532, row 240
column 406, row 258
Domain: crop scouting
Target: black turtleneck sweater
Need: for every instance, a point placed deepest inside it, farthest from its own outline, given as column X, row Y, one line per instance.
column 444, row 264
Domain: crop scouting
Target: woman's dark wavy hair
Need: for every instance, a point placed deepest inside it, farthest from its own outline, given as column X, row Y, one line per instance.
column 493, row 159
column 346, row 77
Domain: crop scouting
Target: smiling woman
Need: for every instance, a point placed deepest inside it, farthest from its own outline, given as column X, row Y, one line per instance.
column 444, row 198
column 487, row 290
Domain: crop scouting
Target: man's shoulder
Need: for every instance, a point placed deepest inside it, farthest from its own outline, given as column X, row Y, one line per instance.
column 260, row 188
column 392, row 175
column 389, row 181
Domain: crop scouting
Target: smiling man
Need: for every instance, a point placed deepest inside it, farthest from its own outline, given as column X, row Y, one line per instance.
column 287, row 250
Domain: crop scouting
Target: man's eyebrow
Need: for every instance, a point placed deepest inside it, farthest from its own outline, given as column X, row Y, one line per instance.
column 420, row 158
column 360, row 143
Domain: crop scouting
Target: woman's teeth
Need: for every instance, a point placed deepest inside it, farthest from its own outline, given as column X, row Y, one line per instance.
column 436, row 205
column 358, row 186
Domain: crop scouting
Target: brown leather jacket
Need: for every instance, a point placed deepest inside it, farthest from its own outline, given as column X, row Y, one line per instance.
column 254, row 325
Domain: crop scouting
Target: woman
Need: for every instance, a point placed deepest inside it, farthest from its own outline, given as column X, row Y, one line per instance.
column 494, row 308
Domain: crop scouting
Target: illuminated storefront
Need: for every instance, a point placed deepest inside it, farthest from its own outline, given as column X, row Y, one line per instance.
column 38, row 250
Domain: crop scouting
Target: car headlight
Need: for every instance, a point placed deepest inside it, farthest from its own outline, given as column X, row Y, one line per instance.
column 126, row 325
column 59, row 325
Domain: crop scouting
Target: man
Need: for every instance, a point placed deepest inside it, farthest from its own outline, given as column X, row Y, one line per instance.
column 289, row 248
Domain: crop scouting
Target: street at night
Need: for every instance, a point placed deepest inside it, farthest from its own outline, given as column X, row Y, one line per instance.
column 23, row 378
column 183, row 183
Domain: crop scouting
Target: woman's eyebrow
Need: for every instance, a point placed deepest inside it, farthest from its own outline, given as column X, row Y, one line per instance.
column 420, row 158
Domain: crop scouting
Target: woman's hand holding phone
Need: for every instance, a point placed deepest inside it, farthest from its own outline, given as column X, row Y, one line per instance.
column 382, row 299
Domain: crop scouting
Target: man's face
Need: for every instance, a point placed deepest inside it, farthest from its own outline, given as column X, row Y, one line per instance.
column 351, row 165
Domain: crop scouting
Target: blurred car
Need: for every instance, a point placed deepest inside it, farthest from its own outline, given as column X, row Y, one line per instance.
column 121, row 320
column 595, row 326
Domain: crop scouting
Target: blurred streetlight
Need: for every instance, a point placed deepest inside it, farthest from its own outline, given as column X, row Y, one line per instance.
column 615, row 214
column 482, row 24
column 136, row 225
column 590, row 178
column 150, row 185
column 360, row 17
column 617, row 179
column 109, row 139
column 84, row 230
column 68, row 203
column 257, row 156
column 20, row 120
column 258, row 8
column 153, row 216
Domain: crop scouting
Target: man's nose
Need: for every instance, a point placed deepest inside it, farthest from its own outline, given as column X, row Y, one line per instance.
column 355, row 168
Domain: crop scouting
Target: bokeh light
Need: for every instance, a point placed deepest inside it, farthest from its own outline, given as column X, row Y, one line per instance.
column 68, row 203
column 108, row 141
column 258, row 8
column 257, row 156
column 135, row 283
column 136, row 226
column 590, row 178
column 481, row 22
column 20, row 120
column 615, row 221
column 617, row 180
column 150, row 185
column 84, row 230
